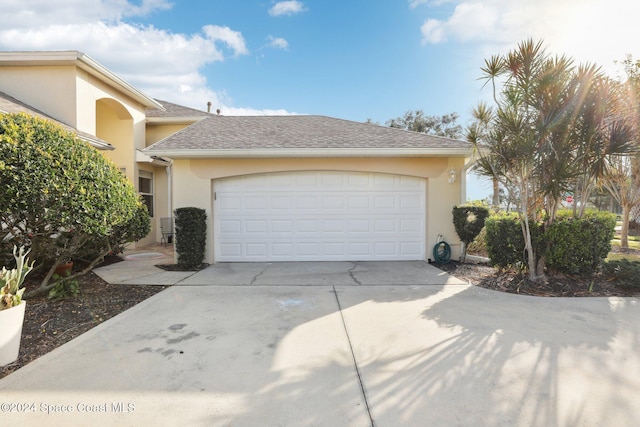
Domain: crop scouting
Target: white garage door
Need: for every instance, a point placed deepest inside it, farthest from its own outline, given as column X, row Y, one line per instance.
column 319, row 216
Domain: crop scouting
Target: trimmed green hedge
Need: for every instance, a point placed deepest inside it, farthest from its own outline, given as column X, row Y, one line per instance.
column 579, row 245
column 505, row 242
column 570, row 245
column 191, row 236
column 468, row 221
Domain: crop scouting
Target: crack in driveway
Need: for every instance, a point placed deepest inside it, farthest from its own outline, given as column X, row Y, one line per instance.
column 350, row 271
column 259, row 274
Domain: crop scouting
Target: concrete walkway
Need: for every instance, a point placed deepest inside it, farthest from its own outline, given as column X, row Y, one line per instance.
column 141, row 269
column 340, row 353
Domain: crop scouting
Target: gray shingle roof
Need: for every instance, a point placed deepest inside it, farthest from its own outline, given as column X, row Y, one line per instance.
column 175, row 111
column 296, row 132
column 9, row 104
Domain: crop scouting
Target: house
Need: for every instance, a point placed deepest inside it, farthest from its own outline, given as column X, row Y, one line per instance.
column 77, row 92
column 275, row 188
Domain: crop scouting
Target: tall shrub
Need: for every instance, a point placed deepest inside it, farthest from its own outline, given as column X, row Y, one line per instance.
column 570, row 245
column 579, row 245
column 58, row 194
column 468, row 221
column 505, row 240
column 191, row 236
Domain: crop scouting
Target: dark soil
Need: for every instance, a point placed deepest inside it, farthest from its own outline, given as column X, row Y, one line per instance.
column 51, row 323
column 178, row 267
column 488, row 277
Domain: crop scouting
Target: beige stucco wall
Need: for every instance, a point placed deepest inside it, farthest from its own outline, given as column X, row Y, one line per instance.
column 116, row 118
column 160, row 202
column 50, row 89
column 156, row 131
column 193, row 185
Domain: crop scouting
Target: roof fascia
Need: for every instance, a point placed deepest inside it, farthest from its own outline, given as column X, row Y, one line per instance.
column 84, row 62
column 175, row 120
column 311, row 153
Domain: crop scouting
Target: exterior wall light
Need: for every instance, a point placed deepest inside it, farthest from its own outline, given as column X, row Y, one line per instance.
column 452, row 176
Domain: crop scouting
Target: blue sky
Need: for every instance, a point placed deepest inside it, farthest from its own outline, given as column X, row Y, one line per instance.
column 352, row 59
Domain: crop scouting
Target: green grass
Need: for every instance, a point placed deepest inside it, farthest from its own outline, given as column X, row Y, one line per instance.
column 619, row 256
column 633, row 244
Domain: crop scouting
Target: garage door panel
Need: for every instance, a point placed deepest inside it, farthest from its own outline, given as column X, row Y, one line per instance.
column 385, row 225
column 411, row 248
column 231, row 250
column 231, row 226
column 307, row 202
column 319, row 216
column 282, row 226
column 333, row 226
column 410, row 225
column 256, row 226
column 308, row 226
column 282, row 249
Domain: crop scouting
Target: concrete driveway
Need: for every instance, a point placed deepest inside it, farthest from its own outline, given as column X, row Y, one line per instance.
column 334, row 354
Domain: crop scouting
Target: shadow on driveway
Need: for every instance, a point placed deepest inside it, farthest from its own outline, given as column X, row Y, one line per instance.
column 343, row 356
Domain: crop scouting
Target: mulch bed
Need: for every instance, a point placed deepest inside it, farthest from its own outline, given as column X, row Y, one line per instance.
column 50, row 323
column 485, row 276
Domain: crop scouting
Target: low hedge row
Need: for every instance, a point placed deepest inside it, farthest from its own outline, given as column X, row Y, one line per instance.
column 570, row 245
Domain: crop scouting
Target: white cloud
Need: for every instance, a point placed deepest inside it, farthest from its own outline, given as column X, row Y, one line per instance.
column 277, row 42
column 600, row 31
column 287, row 8
column 161, row 63
column 37, row 13
column 232, row 38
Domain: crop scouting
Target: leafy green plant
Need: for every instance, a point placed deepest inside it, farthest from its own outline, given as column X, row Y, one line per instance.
column 191, row 235
column 61, row 197
column 64, row 287
column 11, row 281
column 468, row 221
column 579, row 245
column 505, row 241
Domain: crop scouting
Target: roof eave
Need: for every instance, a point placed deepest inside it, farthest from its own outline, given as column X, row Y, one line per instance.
column 100, row 145
column 311, row 153
column 175, row 120
column 84, row 62
column 110, row 78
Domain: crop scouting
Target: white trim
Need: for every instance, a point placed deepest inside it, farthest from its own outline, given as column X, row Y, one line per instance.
column 175, row 120
column 311, row 152
column 145, row 158
column 83, row 61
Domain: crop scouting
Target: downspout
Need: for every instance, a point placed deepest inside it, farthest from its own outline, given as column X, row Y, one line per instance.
column 169, row 188
column 169, row 171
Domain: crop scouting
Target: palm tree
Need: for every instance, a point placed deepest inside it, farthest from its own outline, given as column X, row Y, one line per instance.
column 552, row 126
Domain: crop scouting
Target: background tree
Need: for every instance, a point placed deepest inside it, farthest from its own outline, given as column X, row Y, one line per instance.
column 621, row 174
column 538, row 140
column 622, row 180
column 60, row 197
column 417, row 121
